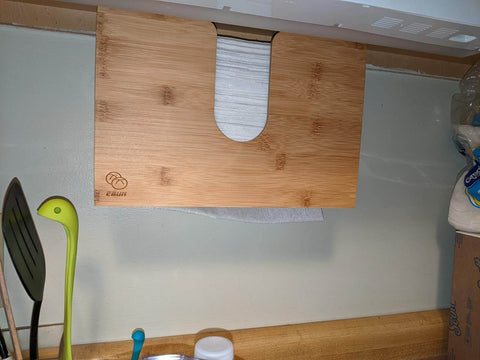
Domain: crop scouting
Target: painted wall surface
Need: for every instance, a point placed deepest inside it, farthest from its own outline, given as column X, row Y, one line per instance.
column 171, row 272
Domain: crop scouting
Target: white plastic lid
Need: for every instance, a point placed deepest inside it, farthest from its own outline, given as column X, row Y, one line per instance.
column 214, row 348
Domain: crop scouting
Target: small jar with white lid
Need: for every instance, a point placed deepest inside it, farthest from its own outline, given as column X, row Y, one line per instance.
column 214, row 348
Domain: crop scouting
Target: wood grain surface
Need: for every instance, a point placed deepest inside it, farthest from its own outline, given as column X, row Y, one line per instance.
column 412, row 336
column 155, row 128
column 9, row 315
column 245, row 33
column 49, row 15
column 421, row 63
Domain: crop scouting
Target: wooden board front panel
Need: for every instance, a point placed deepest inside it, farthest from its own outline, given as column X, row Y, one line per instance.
column 156, row 140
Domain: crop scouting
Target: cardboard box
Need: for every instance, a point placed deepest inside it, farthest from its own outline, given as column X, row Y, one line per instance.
column 464, row 324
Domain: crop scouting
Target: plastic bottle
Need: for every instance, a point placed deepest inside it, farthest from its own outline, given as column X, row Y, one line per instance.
column 214, row 348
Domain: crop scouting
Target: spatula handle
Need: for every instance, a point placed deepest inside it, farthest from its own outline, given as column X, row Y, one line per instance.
column 34, row 330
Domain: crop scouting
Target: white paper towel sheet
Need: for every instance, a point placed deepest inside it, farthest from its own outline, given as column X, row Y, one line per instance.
column 259, row 215
column 241, row 104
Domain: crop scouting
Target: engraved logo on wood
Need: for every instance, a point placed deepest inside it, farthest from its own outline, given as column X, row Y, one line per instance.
column 118, row 182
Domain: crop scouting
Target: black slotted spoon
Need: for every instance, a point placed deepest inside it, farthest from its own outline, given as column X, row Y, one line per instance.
column 26, row 252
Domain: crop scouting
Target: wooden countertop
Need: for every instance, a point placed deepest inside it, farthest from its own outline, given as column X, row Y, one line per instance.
column 418, row 335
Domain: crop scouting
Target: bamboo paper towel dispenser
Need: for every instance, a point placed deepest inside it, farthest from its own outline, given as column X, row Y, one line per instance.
column 157, row 142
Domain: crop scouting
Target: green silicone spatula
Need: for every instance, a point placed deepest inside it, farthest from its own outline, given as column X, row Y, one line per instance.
column 62, row 210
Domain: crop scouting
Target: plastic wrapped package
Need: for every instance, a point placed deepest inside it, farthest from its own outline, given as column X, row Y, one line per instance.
column 464, row 212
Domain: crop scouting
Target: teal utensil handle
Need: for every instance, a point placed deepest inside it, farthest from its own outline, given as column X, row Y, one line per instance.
column 62, row 210
column 138, row 337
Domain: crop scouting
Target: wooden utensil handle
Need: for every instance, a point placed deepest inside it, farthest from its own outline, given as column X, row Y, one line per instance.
column 9, row 313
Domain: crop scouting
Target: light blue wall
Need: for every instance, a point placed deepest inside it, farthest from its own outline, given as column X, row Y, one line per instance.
column 173, row 273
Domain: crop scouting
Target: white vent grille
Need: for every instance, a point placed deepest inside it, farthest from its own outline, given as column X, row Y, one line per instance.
column 415, row 28
column 442, row 33
column 387, row 22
